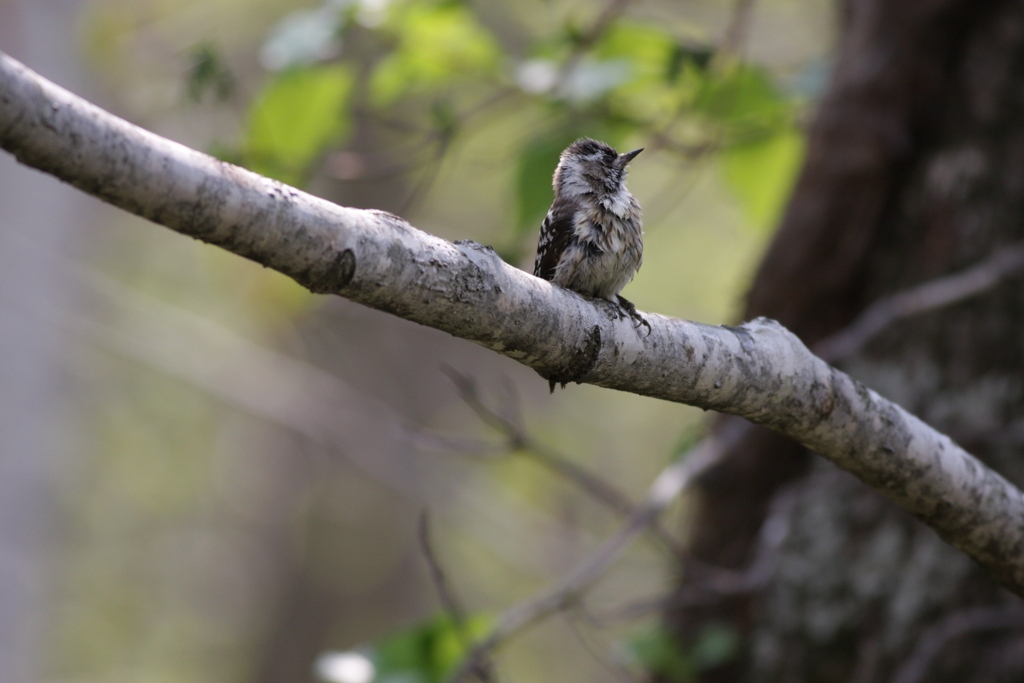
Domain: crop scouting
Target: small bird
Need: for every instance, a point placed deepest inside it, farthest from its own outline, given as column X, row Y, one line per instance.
column 591, row 240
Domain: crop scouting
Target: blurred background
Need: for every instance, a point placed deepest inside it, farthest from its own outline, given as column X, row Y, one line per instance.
column 209, row 474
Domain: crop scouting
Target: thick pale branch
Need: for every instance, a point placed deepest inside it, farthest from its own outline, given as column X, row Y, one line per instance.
column 759, row 370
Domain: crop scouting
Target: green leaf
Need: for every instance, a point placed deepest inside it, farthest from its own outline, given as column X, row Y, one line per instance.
column 716, row 645
column 698, row 55
column 537, row 164
column 297, row 115
column 647, row 47
column 436, row 44
column 427, row 653
column 658, row 77
column 654, row 651
column 761, row 175
column 208, row 72
column 745, row 103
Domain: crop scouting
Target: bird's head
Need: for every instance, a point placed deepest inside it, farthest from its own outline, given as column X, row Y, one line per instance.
column 591, row 167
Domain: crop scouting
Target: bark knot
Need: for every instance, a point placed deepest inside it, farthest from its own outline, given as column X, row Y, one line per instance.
column 583, row 360
column 335, row 276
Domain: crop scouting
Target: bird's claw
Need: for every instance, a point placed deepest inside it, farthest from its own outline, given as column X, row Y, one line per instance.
column 638, row 320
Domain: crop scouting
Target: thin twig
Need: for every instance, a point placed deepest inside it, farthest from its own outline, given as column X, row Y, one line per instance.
column 450, row 602
column 672, row 480
column 690, row 151
column 519, row 440
column 573, row 619
column 710, row 583
column 586, row 40
column 735, row 36
column 612, row 11
column 426, row 181
column 931, row 295
column 954, row 626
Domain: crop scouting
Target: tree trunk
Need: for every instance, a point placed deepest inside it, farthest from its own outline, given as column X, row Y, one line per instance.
column 915, row 169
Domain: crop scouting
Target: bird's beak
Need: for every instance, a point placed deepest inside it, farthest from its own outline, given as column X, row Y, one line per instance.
column 628, row 157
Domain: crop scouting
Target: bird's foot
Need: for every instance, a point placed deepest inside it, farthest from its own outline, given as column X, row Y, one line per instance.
column 554, row 382
column 638, row 320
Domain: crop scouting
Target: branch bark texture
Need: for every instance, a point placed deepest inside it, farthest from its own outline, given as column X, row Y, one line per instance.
column 758, row 371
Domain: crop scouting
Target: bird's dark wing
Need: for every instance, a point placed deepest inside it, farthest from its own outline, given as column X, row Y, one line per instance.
column 555, row 233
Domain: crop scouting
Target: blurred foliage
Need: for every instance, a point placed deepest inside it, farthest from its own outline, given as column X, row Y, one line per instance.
column 716, row 644
column 655, row 650
column 299, row 113
column 628, row 81
column 434, row 45
column 428, row 653
column 761, row 172
column 208, row 72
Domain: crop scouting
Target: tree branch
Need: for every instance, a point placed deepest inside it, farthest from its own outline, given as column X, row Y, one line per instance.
column 759, row 370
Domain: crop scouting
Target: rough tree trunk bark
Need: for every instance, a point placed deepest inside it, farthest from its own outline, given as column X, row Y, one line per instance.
column 915, row 169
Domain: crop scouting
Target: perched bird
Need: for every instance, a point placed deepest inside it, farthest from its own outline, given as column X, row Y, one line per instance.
column 591, row 240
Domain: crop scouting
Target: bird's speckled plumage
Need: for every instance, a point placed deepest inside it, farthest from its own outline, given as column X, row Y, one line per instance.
column 591, row 240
